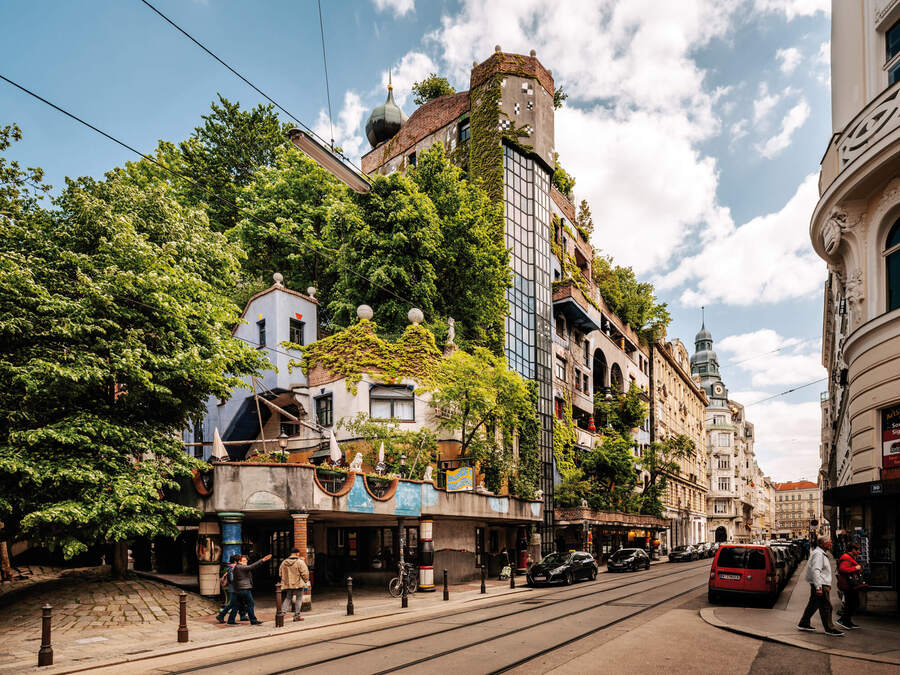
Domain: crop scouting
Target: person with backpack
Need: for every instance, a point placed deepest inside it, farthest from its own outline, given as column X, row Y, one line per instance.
column 294, row 576
column 231, row 600
column 849, row 581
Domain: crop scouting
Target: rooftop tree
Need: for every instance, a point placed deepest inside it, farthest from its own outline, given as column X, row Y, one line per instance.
column 431, row 88
column 115, row 328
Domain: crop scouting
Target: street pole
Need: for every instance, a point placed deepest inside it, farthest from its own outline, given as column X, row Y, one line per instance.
column 349, row 596
column 45, row 654
column 483, row 589
column 446, row 590
column 279, row 613
column 182, row 617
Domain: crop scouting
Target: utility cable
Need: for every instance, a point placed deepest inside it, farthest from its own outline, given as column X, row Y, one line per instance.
column 788, row 391
column 325, row 63
column 260, row 91
column 221, row 200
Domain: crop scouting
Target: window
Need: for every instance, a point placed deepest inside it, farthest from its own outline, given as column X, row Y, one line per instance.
column 724, row 484
column 892, row 42
column 198, row 437
column 465, row 131
column 723, row 440
column 561, row 368
column 586, row 349
column 561, row 326
column 325, row 410
column 718, row 419
column 387, row 403
column 720, row 506
column 412, row 159
column 261, row 332
column 724, row 462
column 296, row 331
column 892, row 266
column 560, row 408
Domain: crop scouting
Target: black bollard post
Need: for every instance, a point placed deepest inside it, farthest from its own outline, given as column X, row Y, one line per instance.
column 446, row 590
column 349, row 596
column 45, row 654
column 279, row 614
column 404, row 597
column 483, row 589
column 512, row 577
column 182, row 617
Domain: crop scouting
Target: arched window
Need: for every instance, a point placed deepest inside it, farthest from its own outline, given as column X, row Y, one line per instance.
column 892, row 266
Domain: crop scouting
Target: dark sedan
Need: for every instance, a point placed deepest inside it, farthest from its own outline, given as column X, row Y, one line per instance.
column 628, row 559
column 563, row 568
column 683, row 554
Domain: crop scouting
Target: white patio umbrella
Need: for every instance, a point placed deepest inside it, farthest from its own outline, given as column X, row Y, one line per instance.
column 336, row 453
column 218, row 447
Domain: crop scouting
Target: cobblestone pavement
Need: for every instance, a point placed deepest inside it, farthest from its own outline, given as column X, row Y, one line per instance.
column 26, row 576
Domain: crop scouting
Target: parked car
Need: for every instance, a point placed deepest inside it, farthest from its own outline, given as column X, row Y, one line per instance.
column 705, row 550
column 628, row 559
column 790, row 553
column 744, row 570
column 565, row 568
column 683, row 553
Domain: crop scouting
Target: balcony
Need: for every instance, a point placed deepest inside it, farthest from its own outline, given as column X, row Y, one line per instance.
column 577, row 309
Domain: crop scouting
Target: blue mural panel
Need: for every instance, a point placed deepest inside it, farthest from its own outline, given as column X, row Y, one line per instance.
column 358, row 500
column 499, row 504
column 535, row 508
column 461, row 479
column 408, row 499
column 429, row 495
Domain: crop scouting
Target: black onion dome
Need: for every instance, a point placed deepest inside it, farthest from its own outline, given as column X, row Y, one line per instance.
column 385, row 121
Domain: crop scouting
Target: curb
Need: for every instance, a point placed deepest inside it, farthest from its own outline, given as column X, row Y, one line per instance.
column 708, row 615
column 170, row 651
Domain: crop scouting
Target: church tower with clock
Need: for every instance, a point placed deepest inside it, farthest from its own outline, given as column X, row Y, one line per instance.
column 705, row 366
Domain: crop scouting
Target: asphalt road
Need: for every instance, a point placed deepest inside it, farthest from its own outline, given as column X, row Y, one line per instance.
column 644, row 622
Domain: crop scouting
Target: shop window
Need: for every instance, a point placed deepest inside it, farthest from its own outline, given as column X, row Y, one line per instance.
column 261, row 332
column 397, row 403
column 295, row 334
column 325, row 410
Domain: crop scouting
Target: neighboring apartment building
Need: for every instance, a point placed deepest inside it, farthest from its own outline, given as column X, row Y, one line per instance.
column 729, row 448
column 798, row 509
column 855, row 228
column 678, row 407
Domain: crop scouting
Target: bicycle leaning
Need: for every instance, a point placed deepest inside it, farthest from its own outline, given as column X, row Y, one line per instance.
column 407, row 574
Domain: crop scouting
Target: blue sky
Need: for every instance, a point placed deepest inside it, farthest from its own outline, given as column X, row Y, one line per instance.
column 694, row 129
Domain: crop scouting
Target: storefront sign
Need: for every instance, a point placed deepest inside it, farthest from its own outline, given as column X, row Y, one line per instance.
column 460, row 479
column 890, row 437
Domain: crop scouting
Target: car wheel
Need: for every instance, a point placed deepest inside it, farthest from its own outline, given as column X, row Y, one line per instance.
column 570, row 578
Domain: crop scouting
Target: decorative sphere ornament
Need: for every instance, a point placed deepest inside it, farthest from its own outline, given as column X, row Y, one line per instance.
column 278, row 278
column 415, row 315
column 311, row 291
column 364, row 312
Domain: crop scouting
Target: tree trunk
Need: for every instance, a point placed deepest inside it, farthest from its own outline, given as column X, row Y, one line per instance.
column 5, row 566
column 119, row 559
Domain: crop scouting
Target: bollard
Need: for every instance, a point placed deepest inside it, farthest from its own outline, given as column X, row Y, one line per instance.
column 45, row 654
column 512, row 577
column 404, row 598
column 182, row 617
column 349, row 596
column 483, row 589
column 279, row 613
column 446, row 590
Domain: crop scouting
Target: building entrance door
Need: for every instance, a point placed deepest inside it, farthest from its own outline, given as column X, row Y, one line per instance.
column 721, row 534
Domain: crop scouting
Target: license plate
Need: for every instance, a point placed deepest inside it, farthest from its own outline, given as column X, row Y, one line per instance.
column 540, row 577
column 730, row 577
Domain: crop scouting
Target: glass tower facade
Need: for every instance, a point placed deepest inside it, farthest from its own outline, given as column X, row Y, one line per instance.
column 528, row 339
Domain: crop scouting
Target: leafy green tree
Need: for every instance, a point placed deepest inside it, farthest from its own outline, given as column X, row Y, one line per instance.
column 583, row 221
column 633, row 301
column 383, row 247
column 612, row 473
column 431, row 88
column 562, row 179
column 660, row 460
column 115, row 329
column 478, row 395
column 622, row 413
column 472, row 264
column 559, row 97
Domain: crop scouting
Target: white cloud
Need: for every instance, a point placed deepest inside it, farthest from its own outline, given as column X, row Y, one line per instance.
column 766, row 260
column 793, row 8
column 771, row 359
column 347, row 126
column 398, row 7
column 764, row 103
column 787, row 435
column 795, row 118
column 413, row 67
column 738, row 130
column 823, row 61
column 790, row 58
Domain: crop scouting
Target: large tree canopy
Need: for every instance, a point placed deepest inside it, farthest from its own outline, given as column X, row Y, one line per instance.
column 114, row 331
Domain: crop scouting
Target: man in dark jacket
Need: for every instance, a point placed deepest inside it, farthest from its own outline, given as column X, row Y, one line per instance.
column 242, row 574
column 231, row 599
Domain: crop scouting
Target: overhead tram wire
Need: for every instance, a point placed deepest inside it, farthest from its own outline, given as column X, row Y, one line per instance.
column 260, row 91
column 216, row 197
column 786, row 392
column 325, row 63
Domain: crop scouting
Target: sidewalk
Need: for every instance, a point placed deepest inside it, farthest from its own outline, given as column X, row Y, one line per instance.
column 877, row 640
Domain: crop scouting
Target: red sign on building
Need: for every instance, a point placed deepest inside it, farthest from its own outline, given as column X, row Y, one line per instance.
column 890, row 437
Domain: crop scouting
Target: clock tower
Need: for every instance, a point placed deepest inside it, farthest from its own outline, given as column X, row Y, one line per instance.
column 705, row 366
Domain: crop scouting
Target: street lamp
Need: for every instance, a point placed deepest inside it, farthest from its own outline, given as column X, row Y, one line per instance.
column 282, row 441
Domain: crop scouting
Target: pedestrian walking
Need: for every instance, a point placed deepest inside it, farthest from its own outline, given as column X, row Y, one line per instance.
column 294, row 578
column 231, row 599
column 848, row 578
column 242, row 575
column 818, row 576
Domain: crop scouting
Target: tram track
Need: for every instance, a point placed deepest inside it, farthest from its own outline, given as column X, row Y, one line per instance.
column 608, row 586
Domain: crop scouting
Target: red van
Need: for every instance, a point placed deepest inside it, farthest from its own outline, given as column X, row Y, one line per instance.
column 743, row 569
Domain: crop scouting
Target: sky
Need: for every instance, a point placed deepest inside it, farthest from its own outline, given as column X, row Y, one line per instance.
column 693, row 128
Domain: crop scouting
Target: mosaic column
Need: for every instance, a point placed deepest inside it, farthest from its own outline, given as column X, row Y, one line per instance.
column 426, row 556
column 232, row 541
